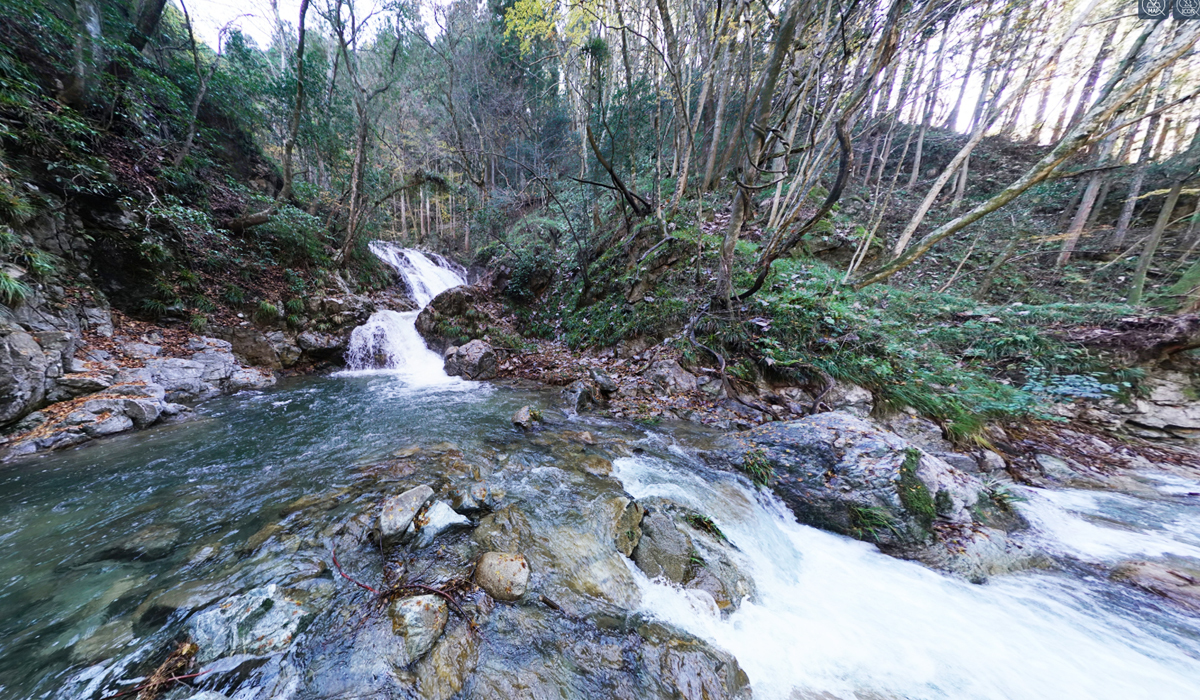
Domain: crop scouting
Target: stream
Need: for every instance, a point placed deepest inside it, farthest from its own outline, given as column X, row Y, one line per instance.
column 108, row 553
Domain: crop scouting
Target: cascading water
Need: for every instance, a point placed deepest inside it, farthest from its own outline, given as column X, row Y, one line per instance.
column 835, row 618
column 389, row 339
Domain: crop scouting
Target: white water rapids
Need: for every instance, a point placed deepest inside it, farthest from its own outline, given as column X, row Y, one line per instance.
column 389, row 339
column 835, row 618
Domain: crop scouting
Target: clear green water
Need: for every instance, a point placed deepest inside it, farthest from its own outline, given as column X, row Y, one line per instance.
column 218, row 478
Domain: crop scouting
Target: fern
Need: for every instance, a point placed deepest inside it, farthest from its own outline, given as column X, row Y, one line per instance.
column 12, row 290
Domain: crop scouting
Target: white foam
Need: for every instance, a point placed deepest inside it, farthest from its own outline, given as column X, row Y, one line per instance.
column 836, row 616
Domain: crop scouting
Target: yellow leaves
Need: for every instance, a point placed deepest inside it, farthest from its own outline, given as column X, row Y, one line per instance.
column 546, row 20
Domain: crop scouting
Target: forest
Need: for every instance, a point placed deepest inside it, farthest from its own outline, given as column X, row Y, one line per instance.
column 799, row 242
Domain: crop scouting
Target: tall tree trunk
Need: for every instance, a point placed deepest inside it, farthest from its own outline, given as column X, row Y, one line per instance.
column 1093, row 76
column 88, row 54
column 789, row 17
column 952, row 118
column 289, row 145
column 1138, row 287
column 1143, row 162
column 1090, row 194
column 930, row 103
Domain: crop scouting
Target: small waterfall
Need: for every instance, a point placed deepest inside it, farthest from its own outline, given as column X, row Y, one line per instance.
column 389, row 339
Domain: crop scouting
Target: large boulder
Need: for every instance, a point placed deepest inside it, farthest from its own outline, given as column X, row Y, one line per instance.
column 452, row 318
column 845, row 474
column 30, row 365
column 396, row 513
column 476, row 361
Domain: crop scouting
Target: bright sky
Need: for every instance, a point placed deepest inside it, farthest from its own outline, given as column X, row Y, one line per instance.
column 255, row 16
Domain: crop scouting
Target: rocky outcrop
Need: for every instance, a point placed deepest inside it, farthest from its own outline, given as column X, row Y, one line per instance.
column 117, row 409
column 211, row 370
column 844, row 474
column 475, row 361
column 687, row 549
column 453, row 318
column 31, row 363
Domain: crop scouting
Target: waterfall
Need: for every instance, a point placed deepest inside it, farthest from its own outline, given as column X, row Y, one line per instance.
column 389, row 339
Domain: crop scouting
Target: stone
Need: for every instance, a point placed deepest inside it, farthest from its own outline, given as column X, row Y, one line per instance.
column 257, row 622
column 449, row 309
column 577, row 397
column 475, row 361
column 627, row 528
column 503, row 576
column 141, row 351
column 147, row 544
column 850, row 398
column 604, row 382
column 841, row 473
column 420, row 620
column 1177, row 584
column 595, row 464
column 523, row 418
column 23, row 369
column 663, row 551
column 396, row 513
column 443, row 672
column 669, row 379
column 436, row 519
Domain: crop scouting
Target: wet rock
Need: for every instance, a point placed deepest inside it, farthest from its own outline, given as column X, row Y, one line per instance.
column 506, row 530
column 148, row 544
column 475, row 361
column 185, row 597
column 523, row 418
column 689, row 669
column 443, row 672
column 208, row 695
column 474, row 498
column 595, row 464
column 450, row 309
column 397, row 512
column 436, row 519
column 628, row 525
column 503, row 576
column 258, row 622
column 577, row 397
column 844, row 474
column 669, row 379
column 1178, row 584
column 420, row 620
column 212, row 370
column 663, row 550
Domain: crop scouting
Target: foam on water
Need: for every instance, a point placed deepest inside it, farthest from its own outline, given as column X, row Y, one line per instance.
column 389, row 341
column 836, row 616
